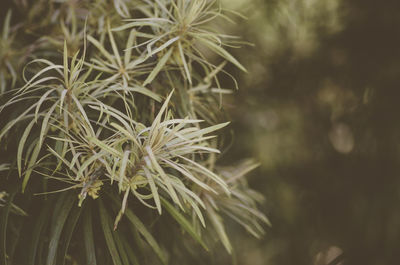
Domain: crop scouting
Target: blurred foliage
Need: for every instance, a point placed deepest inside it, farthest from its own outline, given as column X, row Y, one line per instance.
column 320, row 113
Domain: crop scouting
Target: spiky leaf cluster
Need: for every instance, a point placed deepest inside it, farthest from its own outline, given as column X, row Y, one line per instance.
column 117, row 113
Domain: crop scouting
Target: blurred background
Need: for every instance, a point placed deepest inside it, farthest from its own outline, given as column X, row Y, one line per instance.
column 320, row 109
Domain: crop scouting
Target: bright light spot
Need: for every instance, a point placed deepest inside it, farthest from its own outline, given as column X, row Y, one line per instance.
column 341, row 138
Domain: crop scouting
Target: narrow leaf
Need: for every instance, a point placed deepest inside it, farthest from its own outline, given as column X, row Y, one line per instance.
column 185, row 224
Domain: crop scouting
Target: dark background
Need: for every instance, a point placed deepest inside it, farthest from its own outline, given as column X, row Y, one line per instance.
column 320, row 109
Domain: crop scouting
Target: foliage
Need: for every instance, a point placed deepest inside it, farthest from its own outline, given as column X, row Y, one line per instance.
column 118, row 101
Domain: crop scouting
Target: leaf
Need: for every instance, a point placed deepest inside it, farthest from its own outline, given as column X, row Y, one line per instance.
column 11, row 123
column 69, row 230
column 207, row 130
column 145, row 91
column 87, row 163
column 141, row 228
column 185, row 66
column 3, row 228
column 205, row 171
column 219, row 227
column 186, row 173
column 185, row 224
column 6, row 26
column 106, row 226
column 161, row 63
column 138, row 23
column 40, row 223
column 63, row 208
column 31, row 165
column 163, row 46
column 65, row 66
column 45, row 123
column 105, row 147
column 83, row 112
column 101, row 49
column 121, row 249
column 131, row 255
column 21, row 145
column 164, row 176
column 41, row 100
column 221, row 51
column 88, row 237
column 153, row 189
column 157, row 119
column 122, row 169
column 129, row 43
column 113, row 44
column 128, row 134
column 146, row 234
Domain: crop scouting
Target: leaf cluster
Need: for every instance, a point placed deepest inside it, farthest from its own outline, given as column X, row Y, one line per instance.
column 121, row 103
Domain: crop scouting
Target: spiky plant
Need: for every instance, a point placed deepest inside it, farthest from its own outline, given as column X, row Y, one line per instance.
column 110, row 134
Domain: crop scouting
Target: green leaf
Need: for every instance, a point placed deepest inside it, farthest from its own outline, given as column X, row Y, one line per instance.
column 88, row 237
column 40, row 102
column 185, row 224
column 221, row 51
column 163, row 46
column 145, row 91
column 105, row 147
column 69, row 230
column 185, row 65
column 101, row 49
column 40, row 223
column 140, row 23
column 164, row 177
column 216, row 220
column 65, row 66
column 121, row 248
column 21, row 117
column 131, row 255
column 6, row 26
column 113, row 44
column 146, row 234
column 31, row 165
column 141, row 228
column 129, row 43
column 106, row 226
column 63, row 208
column 161, row 63
column 21, row 145
column 3, row 229
column 122, row 169
column 153, row 189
